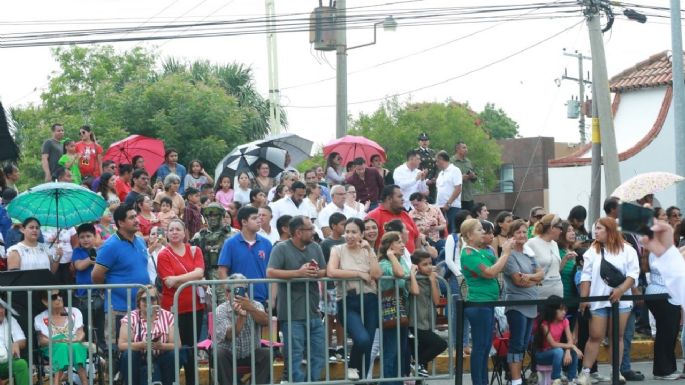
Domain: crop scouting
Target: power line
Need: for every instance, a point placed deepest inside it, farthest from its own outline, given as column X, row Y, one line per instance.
column 477, row 69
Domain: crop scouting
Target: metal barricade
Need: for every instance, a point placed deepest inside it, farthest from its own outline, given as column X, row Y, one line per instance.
column 35, row 353
column 309, row 328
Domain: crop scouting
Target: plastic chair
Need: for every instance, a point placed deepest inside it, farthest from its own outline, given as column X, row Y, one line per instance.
column 544, row 374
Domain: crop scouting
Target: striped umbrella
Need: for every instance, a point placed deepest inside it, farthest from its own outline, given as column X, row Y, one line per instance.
column 245, row 157
column 58, row 204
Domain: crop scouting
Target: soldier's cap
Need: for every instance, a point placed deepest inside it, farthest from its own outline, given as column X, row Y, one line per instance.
column 423, row 136
column 214, row 208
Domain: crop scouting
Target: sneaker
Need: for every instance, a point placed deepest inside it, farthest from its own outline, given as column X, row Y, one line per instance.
column 583, row 379
column 332, row 357
column 632, row 375
column 670, row 377
column 422, row 371
column 621, row 379
column 352, row 374
column 599, row 377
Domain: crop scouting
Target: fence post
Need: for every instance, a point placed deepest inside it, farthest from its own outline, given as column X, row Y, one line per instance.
column 615, row 361
column 459, row 333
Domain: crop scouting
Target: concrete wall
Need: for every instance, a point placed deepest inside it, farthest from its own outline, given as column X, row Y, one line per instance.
column 570, row 186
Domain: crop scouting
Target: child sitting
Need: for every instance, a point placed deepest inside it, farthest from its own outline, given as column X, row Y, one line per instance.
column 425, row 296
column 166, row 214
column 552, row 327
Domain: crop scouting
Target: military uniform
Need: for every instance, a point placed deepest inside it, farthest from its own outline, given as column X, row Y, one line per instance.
column 210, row 241
column 427, row 156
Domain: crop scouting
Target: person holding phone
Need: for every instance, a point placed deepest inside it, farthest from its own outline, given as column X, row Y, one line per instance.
column 135, row 326
column 237, row 324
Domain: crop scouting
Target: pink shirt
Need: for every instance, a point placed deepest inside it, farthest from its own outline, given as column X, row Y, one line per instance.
column 224, row 198
column 556, row 330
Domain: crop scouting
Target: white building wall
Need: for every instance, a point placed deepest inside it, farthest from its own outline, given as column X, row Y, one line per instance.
column 570, row 186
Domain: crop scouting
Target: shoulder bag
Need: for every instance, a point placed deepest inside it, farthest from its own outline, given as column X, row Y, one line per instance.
column 609, row 273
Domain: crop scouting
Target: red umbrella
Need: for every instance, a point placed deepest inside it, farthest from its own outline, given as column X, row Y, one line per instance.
column 123, row 151
column 351, row 147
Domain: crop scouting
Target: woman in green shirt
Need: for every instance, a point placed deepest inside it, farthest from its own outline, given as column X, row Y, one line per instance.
column 480, row 269
column 567, row 268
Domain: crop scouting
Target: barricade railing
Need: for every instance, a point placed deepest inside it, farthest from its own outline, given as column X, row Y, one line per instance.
column 460, row 305
column 22, row 300
column 313, row 326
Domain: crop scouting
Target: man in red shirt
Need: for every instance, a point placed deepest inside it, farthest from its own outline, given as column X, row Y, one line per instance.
column 392, row 207
column 123, row 183
column 368, row 182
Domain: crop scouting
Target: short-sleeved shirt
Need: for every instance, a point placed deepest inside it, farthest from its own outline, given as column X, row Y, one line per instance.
column 425, row 310
column 64, row 241
column 238, row 256
column 556, row 330
column 54, row 150
column 382, row 216
column 41, row 323
column 75, row 171
column 164, row 170
column 247, row 339
column 326, row 245
column 191, row 181
column 386, row 269
column 161, row 326
column 83, row 277
column 520, row 263
column 285, row 256
column 126, row 263
column 89, row 158
column 473, row 263
column 369, row 188
column 17, row 333
column 122, row 188
column 465, row 166
column 32, row 257
column 448, row 180
column 170, row 264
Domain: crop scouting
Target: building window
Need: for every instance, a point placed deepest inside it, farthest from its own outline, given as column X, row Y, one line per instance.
column 506, row 177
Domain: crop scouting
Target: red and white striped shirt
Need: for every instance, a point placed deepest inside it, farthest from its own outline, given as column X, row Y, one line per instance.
column 161, row 326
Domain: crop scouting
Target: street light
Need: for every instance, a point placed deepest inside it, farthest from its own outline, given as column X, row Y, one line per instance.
column 389, row 25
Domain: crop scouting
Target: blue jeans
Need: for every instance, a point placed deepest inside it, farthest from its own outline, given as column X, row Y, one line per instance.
column 482, row 320
column 162, row 371
column 628, row 334
column 520, row 328
column 555, row 357
column 361, row 330
column 456, row 295
column 297, row 343
column 391, row 351
column 449, row 216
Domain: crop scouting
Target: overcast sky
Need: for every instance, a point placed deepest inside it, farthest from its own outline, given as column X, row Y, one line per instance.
column 523, row 85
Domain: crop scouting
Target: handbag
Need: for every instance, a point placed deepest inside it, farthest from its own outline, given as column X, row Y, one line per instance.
column 610, row 274
column 392, row 307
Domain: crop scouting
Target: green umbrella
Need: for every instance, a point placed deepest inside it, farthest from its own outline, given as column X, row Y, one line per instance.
column 57, row 204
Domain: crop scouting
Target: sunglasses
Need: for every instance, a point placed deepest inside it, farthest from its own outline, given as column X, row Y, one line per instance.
column 55, row 296
column 539, row 216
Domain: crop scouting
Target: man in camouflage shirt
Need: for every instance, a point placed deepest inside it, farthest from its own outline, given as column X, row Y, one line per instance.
column 210, row 241
column 427, row 156
column 469, row 176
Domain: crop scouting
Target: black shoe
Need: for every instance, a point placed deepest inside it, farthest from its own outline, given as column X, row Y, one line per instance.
column 633, row 375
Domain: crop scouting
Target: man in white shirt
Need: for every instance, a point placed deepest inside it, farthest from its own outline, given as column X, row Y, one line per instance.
column 337, row 205
column 266, row 230
column 449, row 188
column 290, row 204
column 409, row 178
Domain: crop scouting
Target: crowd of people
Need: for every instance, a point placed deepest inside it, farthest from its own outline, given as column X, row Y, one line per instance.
column 381, row 237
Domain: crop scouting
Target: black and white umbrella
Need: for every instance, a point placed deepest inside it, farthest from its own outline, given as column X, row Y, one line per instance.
column 245, row 157
column 298, row 147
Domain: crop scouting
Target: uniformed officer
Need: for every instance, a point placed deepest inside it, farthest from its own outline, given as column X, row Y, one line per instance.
column 427, row 156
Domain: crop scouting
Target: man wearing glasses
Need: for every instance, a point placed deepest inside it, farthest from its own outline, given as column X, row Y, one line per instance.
column 299, row 257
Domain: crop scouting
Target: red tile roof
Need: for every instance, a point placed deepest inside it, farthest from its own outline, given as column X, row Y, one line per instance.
column 653, row 72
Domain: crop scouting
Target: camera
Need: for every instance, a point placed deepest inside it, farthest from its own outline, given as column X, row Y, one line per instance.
column 239, row 291
column 635, row 219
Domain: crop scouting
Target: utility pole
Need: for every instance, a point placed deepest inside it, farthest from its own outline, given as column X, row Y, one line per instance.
column 596, row 167
column 601, row 96
column 272, row 54
column 678, row 97
column 341, row 70
column 581, row 90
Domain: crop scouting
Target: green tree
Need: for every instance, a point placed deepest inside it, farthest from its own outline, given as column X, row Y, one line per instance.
column 498, row 123
column 395, row 127
column 201, row 109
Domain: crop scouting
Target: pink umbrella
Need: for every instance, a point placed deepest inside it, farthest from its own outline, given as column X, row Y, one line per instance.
column 123, row 151
column 351, row 147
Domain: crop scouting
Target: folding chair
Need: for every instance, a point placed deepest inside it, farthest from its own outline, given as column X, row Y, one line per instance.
column 499, row 360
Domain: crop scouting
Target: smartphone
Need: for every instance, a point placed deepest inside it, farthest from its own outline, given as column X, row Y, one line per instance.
column 239, row 291
column 635, row 219
column 156, row 339
column 92, row 254
column 313, row 265
column 160, row 232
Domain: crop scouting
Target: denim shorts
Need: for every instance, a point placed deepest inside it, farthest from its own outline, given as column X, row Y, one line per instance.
column 605, row 312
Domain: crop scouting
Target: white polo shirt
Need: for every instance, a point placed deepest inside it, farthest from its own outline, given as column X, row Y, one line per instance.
column 406, row 180
column 448, row 180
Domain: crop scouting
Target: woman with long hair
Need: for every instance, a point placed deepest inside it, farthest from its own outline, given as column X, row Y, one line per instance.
column 171, row 166
column 546, row 251
column 371, row 232
column 106, row 189
column 480, row 269
column 567, row 268
column 335, row 172
column 90, row 160
column 502, row 222
column 177, row 264
column 138, row 162
column 521, row 277
column 197, row 176
column 356, row 259
column 263, row 181
column 577, row 217
column 608, row 247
